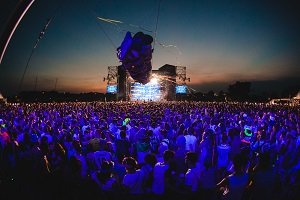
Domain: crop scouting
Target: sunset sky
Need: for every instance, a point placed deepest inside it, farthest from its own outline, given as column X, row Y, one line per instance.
column 219, row 42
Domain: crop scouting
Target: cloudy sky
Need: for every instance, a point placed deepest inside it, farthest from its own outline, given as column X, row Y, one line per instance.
column 219, row 42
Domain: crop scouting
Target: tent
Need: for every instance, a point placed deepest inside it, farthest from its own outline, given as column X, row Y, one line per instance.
column 297, row 97
column 288, row 101
column 2, row 99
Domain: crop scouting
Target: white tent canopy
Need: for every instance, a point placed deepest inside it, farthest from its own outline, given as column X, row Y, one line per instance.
column 291, row 101
column 297, row 96
column 2, row 99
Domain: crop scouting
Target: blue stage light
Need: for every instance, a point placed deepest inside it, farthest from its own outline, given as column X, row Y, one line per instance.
column 181, row 89
column 111, row 89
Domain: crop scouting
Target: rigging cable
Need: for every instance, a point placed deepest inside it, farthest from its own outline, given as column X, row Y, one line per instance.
column 41, row 35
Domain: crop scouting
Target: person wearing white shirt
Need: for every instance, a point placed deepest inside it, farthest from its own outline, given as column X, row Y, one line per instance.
column 158, row 186
column 190, row 140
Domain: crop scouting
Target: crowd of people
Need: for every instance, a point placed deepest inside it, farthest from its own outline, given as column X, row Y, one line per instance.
column 149, row 150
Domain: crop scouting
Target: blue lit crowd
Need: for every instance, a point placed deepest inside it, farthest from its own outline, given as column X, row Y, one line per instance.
column 183, row 150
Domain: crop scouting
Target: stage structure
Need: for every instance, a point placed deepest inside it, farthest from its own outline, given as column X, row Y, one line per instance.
column 166, row 83
column 112, row 80
column 181, row 87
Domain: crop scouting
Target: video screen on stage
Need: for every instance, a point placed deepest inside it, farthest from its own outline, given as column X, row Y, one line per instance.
column 111, row 89
column 148, row 92
column 181, row 89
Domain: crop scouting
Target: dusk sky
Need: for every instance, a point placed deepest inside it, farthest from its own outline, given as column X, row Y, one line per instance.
column 219, row 42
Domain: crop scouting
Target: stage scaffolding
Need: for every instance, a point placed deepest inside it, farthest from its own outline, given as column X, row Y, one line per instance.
column 112, row 75
column 181, row 75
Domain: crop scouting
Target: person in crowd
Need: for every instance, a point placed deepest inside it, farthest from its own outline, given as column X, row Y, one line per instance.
column 172, row 184
column 133, row 180
column 223, row 156
column 207, row 148
column 208, row 179
column 104, row 178
column 236, row 184
column 44, row 146
column 142, row 145
column 158, row 186
column 102, row 155
column 192, row 176
column 179, row 157
column 147, row 172
column 122, row 145
column 265, row 180
column 190, row 140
